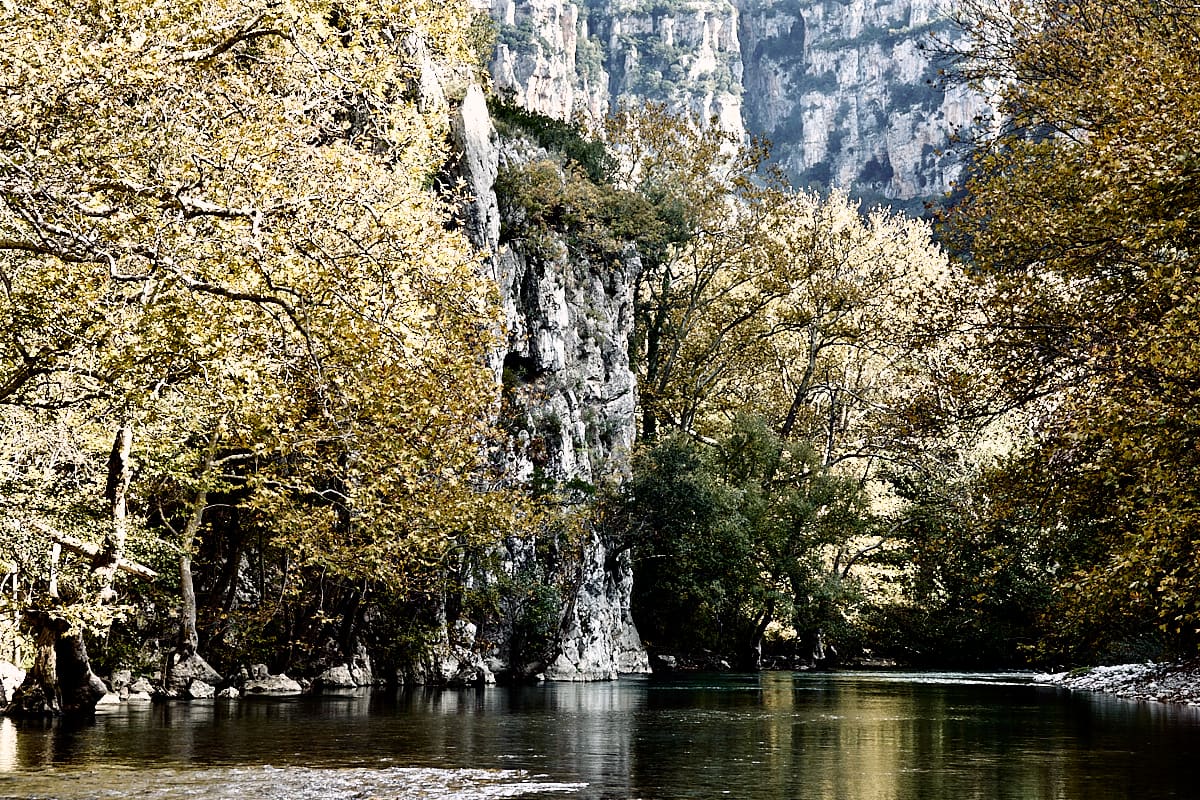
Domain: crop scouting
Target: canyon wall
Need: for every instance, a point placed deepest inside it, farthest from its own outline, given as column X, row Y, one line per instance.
column 850, row 93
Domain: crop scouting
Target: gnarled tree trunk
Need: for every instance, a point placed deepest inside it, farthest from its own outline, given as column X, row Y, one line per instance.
column 185, row 663
column 61, row 680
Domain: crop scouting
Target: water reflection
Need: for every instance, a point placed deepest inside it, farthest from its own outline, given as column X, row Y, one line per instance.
column 775, row 736
column 8, row 745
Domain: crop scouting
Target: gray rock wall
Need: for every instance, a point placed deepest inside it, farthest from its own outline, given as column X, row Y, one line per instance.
column 569, row 401
column 848, row 91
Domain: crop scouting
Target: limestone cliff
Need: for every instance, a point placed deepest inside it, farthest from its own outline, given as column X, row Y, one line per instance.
column 848, row 91
column 569, row 397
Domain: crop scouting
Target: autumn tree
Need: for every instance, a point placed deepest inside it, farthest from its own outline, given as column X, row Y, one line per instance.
column 792, row 323
column 217, row 242
column 1082, row 217
column 693, row 177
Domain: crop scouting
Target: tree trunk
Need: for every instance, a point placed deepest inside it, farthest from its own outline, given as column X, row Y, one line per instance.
column 61, row 680
column 754, row 654
column 186, row 663
column 104, row 568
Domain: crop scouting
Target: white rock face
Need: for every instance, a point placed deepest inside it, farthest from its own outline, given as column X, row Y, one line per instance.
column 570, row 398
column 848, row 91
column 547, row 57
column 599, row 640
column 569, row 323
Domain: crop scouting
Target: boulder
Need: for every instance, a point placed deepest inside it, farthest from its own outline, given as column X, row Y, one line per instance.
column 138, row 697
column 201, row 690
column 360, row 668
column 109, row 699
column 192, row 668
column 121, row 678
column 141, row 686
column 229, row 693
column 11, row 676
column 272, row 685
column 338, row 677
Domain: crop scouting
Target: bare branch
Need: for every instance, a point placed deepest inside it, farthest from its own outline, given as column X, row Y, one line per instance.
column 247, row 33
column 91, row 550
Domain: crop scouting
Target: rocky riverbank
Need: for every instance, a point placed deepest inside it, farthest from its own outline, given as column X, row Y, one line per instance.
column 1165, row 683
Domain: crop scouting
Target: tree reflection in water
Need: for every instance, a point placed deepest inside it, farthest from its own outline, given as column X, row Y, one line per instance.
column 770, row 736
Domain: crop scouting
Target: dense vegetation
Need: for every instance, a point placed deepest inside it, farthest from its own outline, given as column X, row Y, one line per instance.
column 241, row 338
column 1026, row 492
column 219, row 254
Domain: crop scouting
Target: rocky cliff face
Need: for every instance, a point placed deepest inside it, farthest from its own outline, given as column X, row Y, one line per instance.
column 569, row 397
column 848, row 91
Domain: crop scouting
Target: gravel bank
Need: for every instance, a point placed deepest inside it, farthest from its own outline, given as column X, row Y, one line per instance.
column 1164, row 683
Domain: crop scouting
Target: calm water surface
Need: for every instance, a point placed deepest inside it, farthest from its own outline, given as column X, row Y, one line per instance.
column 775, row 736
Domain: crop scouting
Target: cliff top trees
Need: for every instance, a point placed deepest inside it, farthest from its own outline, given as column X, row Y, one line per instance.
column 216, row 233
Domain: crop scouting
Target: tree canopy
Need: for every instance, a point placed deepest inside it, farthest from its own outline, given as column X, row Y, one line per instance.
column 1082, row 218
column 218, row 236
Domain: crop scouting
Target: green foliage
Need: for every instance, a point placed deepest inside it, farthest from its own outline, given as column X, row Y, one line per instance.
column 543, row 203
column 246, row 261
column 589, row 58
column 974, row 589
column 691, row 557
column 556, row 135
column 730, row 538
column 522, row 37
column 482, row 37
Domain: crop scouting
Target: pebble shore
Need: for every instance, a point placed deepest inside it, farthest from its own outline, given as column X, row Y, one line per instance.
column 1164, row 683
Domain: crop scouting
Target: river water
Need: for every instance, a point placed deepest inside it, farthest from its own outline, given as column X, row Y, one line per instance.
column 770, row 736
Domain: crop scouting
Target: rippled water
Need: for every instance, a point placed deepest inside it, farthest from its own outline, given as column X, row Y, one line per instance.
column 775, row 736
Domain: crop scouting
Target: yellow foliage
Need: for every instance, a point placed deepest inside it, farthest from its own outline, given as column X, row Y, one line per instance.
column 221, row 210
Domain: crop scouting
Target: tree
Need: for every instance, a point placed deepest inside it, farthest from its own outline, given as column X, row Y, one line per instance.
column 693, row 557
column 698, row 181
column 1082, row 219
column 805, row 315
column 218, row 242
column 807, row 523
column 762, row 297
column 733, row 537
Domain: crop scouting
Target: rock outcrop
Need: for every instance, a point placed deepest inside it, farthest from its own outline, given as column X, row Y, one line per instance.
column 272, row 685
column 849, row 91
column 569, row 399
column 193, row 668
column 11, row 677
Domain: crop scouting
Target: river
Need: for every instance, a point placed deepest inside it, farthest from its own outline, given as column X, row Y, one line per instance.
column 770, row 736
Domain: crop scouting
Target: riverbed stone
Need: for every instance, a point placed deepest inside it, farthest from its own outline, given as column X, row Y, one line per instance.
column 229, row 693
column 201, row 690
column 192, row 668
column 274, row 685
